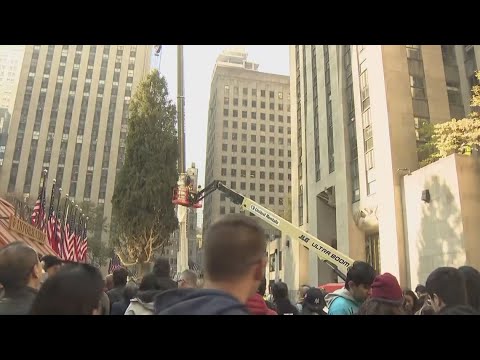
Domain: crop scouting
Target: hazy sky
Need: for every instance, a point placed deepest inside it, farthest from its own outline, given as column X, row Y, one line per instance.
column 198, row 66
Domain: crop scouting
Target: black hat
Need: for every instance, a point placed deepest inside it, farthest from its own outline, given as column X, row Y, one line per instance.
column 50, row 260
column 314, row 300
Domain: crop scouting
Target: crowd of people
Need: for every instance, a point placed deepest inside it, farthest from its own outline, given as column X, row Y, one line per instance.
column 233, row 284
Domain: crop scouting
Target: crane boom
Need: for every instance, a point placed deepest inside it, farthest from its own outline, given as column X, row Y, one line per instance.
column 338, row 261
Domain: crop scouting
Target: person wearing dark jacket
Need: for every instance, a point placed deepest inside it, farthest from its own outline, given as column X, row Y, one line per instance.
column 313, row 302
column 120, row 277
column 20, row 275
column 129, row 292
column 161, row 268
column 235, row 260
column 281, row 301
column 446, row 288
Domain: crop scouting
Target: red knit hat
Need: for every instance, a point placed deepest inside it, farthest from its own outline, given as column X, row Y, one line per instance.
column 385, row 287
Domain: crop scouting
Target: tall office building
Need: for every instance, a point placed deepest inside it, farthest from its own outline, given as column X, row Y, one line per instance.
column 248, row 145
column 357, row 110
column 4, row 127
column 11, row 57
column 70, row 117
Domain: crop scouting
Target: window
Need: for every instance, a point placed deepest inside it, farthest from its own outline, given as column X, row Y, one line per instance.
column 262, row 116
column 262, row 187
column 271, row 163
column 271, row 200
column 244, row 161
column 225, row 135
column 245, row 91
column 244, row 114
column 253, row 162
column 224, row 147
column 262, row 200
column 253, row 138
column 417, row 86
column 262, row 104
column 262, row 174
column 225, row 112
column 280, row 107
column 222, row 209
column 235, row 101
column 271, row 117
column 262, row 162
column 253, row 150
column 252, row 186
column 254, row 115
column 224, row 159
column 272, row 94
column 225, row 123
column 272, row 151
column 243, row 186
column 253, row 126
column 233, row 185
column 254, row 92
column 272, row 106
column 244, row 137
column 233, row 172
column 232, row 210
column 244, row 126
column 234, row 148
column 271, row 188
column 234, row 125
column 234, row 160
column 280, row 164
column 235, row 113
column 280, row 118
column 280, row 95
column 226, row 89
column 226, row 100
column 244, row 102
column 271, row 128
column 280, row 152
column 280, row 176
column 224, row 172
column 243, row 173
column 234, row 136
column 235, row 90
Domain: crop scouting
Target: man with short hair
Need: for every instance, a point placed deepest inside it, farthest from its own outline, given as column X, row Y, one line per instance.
column 188, row 279
column 20, row 275
column 51, row 264
column 120, row 277
column 446, row 289
column 161, row 268
column 235, row 260
column 347, row 300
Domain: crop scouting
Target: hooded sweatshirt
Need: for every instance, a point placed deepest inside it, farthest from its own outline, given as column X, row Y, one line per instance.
column 198, row 302
column 257, row 306
column 143, row 303
column 341, row 302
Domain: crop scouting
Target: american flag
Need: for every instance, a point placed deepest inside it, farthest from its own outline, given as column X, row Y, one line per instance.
column 115, row 263
column 69, row 239
column 83, row 247
column 53, row 233
column 39, row 214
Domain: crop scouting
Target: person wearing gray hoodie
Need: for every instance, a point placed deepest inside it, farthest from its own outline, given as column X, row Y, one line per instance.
column 346, row 301
column 142, row 304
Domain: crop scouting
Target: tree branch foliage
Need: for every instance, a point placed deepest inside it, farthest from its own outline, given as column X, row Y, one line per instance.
column 98, row 251
column 143, row 213
column 454, row 136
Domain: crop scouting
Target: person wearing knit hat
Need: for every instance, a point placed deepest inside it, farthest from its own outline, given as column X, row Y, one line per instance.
column 386, row 297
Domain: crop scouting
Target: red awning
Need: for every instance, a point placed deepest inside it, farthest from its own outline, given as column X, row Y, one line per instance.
column 8, row 236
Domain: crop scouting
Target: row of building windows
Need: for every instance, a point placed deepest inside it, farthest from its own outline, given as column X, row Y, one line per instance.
column 253, row 104
column 253, row 115
column 253, row 126
column 243, row 149
column 254, row 92
column 271, row 139
column 262, row 187
column 299, row 134
column 252, row 174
